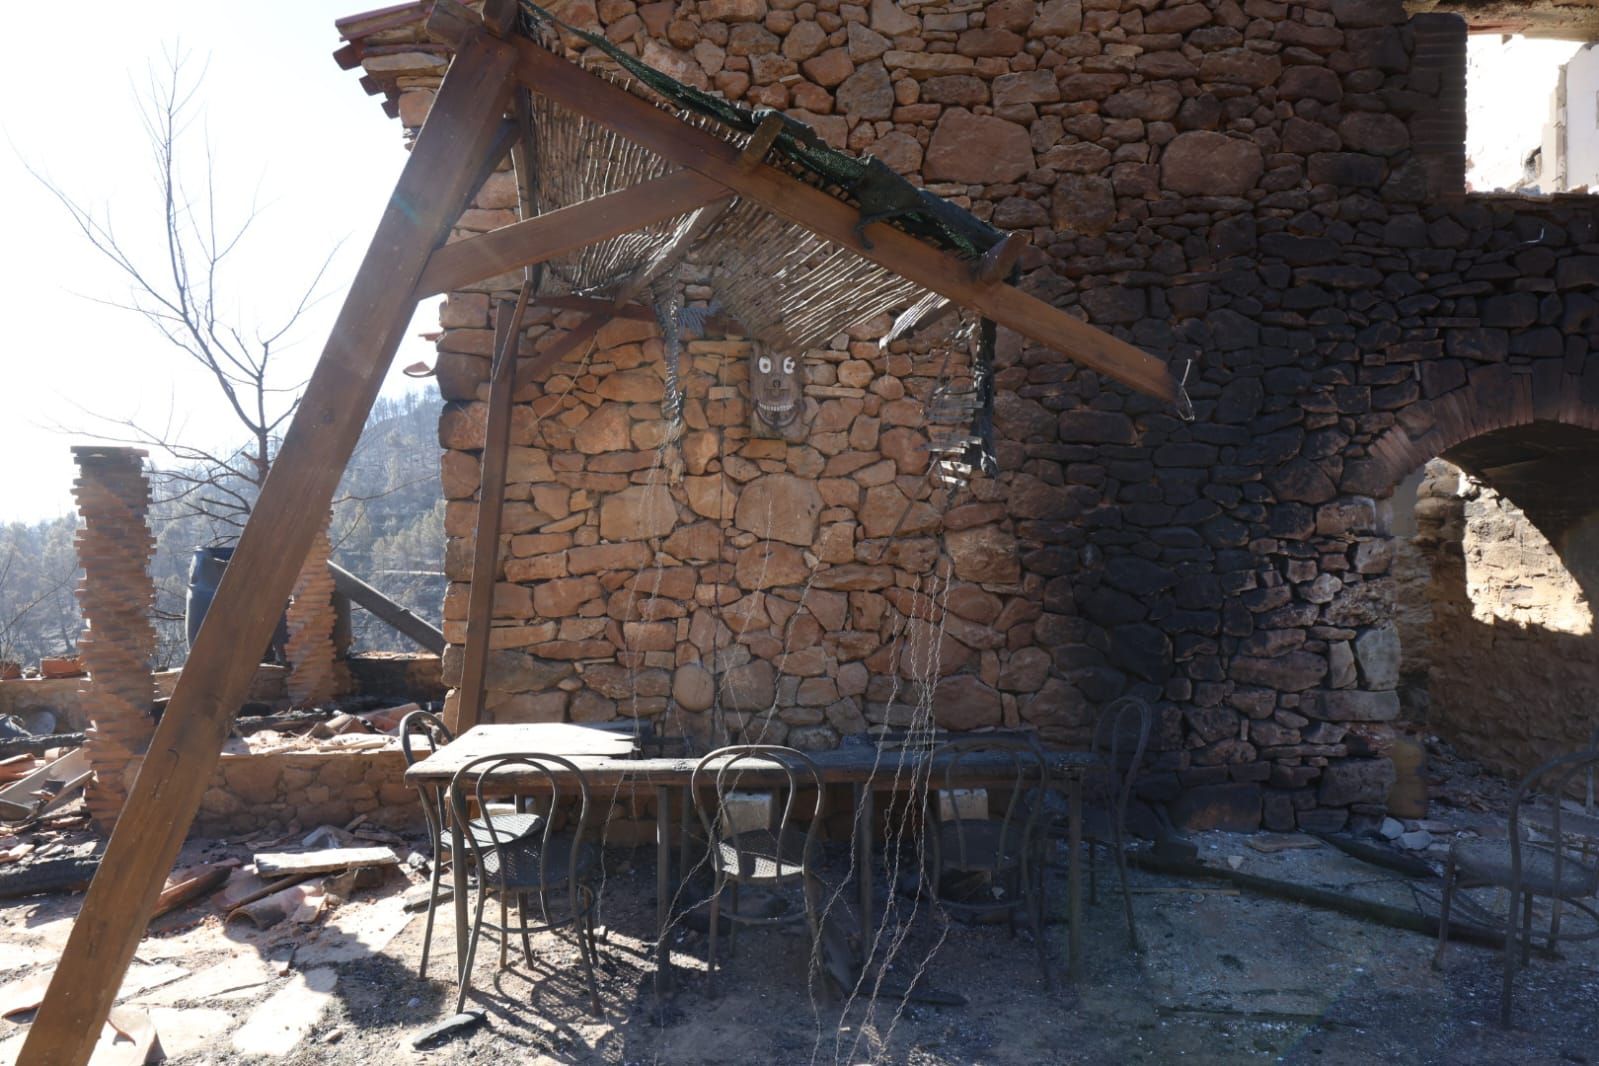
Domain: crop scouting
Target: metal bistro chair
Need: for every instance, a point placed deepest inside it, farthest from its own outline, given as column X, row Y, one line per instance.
column 544, row 865
column 1527, row 868
column 1121, row 737
column 1004, row 854
column 770, row 856
column 426, row 724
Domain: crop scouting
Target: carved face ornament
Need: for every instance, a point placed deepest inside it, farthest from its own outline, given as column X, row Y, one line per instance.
column 776, row 389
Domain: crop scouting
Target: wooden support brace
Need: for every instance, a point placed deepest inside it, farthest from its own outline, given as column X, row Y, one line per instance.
column 567, row 229
column 662, row 133
column 490, row 506
column 293, row 504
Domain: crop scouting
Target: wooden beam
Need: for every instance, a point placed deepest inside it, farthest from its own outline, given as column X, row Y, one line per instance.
column 397, row 615
column 566, row 229
column 490, row 506
column 687, row 146
column 570, row 341
column 293, row 505
column 597, row 305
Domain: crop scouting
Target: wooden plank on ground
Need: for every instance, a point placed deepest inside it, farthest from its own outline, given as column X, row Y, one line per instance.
column 295, row 863
column 566, row 229
column 449, row 153
column 687, row 146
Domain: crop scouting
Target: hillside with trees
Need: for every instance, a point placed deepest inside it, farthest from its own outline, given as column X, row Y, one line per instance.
column 388, row 528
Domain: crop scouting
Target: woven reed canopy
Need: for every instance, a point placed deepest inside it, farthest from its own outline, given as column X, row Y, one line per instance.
column 786, row 286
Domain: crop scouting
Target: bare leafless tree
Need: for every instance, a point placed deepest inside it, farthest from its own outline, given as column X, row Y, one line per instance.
column 180, row 291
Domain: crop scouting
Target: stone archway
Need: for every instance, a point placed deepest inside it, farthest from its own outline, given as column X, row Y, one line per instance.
column 1462, row 405
column 1493, row 591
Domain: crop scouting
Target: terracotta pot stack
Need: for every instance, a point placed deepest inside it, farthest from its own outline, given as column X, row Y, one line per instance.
column 116, row 595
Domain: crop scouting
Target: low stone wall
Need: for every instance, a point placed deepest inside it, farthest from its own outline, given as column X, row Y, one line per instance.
column 300, row 790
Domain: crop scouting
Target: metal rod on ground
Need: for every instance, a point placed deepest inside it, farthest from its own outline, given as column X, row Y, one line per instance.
column 1342, row 902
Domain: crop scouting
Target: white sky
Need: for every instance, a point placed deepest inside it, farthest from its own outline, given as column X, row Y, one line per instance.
column 1509, row 88
column 287, row 127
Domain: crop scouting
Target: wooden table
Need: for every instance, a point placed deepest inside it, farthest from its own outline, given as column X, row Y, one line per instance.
column 606, row 759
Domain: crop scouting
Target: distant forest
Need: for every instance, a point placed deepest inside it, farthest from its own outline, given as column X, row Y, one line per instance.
column 388, row 528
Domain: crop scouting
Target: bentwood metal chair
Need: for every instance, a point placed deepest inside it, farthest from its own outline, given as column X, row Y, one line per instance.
column 419, row 724
column 1529, row 863
column 979, row 864
column 749, row 817
column 1121, row 737
column 555, row 869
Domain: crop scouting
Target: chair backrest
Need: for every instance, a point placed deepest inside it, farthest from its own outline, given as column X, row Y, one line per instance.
column 1121, row 738
column 1012, row 762
column 782, row 772
column 519, row 774
column 1553, row 781
column 423, row 724
column 426, row 724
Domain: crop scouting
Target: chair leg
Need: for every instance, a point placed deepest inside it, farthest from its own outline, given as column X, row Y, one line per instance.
column 813, row 963
column 1093, row 878
column 504, row 936
column 521, row 918
column 1127, row 898
column 1443, row 914
column 471, row 953
column 1507, row 991
column 433, row 906
column 732, row 929
column 586, row 949
column 1526, row 929
column 710, row 954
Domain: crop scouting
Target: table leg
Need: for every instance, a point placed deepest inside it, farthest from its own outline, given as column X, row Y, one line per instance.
column 1074, row 879
column 863, row 869
column 458, row 862
column 663, row 886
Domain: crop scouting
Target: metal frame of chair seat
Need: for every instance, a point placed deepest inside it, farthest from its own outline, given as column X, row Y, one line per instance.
column 1527, row 869
column 1008, row 848
column 768, row 857
column 434, row 812
column 533, row 865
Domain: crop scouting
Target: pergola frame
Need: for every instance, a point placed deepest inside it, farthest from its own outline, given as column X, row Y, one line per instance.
column 464, row 138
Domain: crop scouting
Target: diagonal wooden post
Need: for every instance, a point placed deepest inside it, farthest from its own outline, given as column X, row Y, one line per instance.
column 448, row 156
column 490, row 508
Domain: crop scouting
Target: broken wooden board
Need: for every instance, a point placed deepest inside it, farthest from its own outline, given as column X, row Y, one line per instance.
column 51, row 786
column 289, row 863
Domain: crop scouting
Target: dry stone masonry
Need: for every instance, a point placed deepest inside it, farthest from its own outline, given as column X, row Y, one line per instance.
column 1268, row 195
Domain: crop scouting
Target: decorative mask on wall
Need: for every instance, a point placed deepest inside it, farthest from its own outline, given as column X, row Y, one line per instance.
column 777, row 394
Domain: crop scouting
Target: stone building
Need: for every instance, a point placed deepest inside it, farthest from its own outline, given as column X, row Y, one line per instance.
column 1266, row 195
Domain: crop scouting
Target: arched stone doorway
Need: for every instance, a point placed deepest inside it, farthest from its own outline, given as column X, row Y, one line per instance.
column 1494, row 578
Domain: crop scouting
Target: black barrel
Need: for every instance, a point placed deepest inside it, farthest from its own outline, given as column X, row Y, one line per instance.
column 205, row 574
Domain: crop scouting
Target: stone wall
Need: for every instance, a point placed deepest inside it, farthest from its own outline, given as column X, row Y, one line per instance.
column 1512, row 664
column 1266, row 195
column 291, row 791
